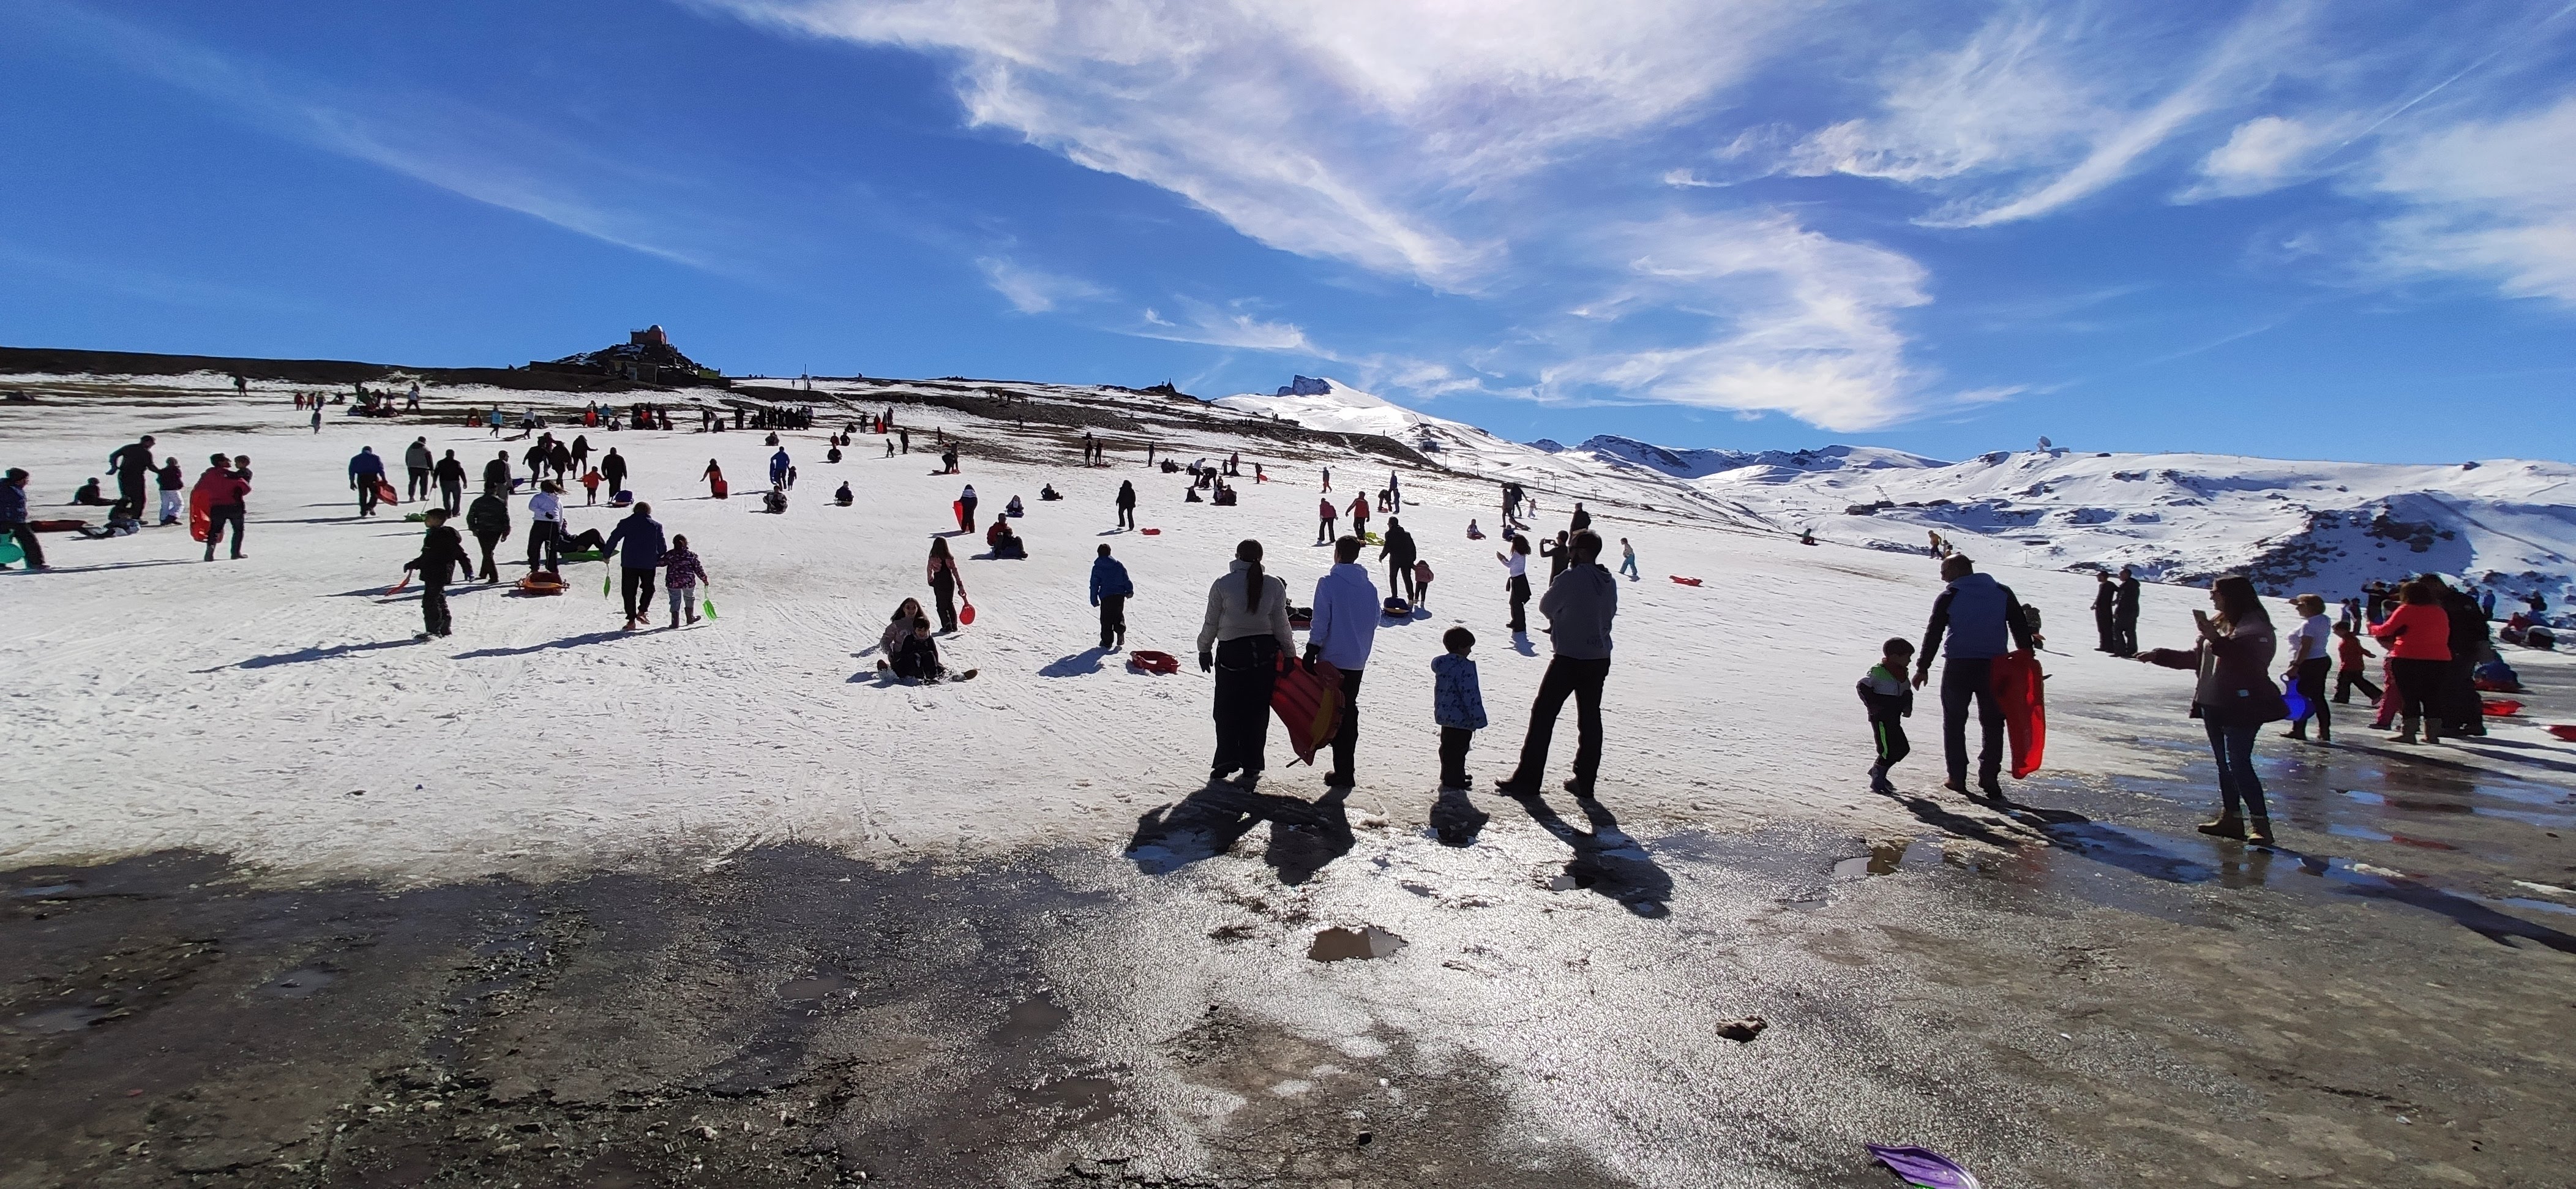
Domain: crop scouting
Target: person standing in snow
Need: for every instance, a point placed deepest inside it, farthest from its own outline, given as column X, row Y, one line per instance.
column 13, row 518
column 1580, row 604
column 2234, row 698
column 1983, row 621
column 172, row 481
column 1421, row 583
column 1109, row 592
column 2124, row 614
column 496, row 475
column 451, row 483
column 1628, row 560
column 224, row 490
column 1360, row 515
column 419, row 464
column 1242, row 638
column 2471, row 640
column 131, row 463
column 2106, row 605
column 1399, row 553
column 945, row 583
column 612, row 468
column 1343, row 633
column 1457, row 705
column 545, row 527
column 365, row 471
column 1328, row 488
column 1328, row 516
column 317, row 413
column 489, row 521
column 2311, row 658
column 778, row 468
column 441, row 551
column 1890, row 701
column 1126, row 504
column 1581, row 519
column 1516, row 582
column 580, row 452
column 2417, row 635
column 966, row 508
column 683, row 573
column 1560, row 554
column 638, row 543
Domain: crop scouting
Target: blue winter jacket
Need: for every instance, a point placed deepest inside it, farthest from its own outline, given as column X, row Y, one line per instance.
column 13, row 504
column 637, row 541
column 366, row 463
column 1980, row 616
column 1109, row 580
column 1346, row 615
column 1457, row 699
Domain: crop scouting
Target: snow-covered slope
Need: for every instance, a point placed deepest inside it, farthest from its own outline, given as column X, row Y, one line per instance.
column 1699, row 463
column 1331, row 405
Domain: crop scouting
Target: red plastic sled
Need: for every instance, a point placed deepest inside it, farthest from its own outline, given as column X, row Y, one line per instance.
column 717, row 487
column 2019, row 689
column 2564, row 732
column 1147, row 661
column 966, row 613
column 385, row 493
column 201, row 521
column 2499, row 707
column 957, row 508
column 1309, row 703
column 1152, row 532
column 1685, row 581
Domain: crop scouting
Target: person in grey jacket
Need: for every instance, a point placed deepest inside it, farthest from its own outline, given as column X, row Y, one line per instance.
column 1977, row 613
column 1579, row 605
column 1244, row 635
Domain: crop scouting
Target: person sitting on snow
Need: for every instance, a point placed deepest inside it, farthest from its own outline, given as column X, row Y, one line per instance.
column 774, row 502
column 1014, row 508
column 1005, row 543
column 1224, row 495
column 1048, row 493
column 842, row 497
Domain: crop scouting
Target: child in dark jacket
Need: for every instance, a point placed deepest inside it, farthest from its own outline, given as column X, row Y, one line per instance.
column 683, row 573
column 442, row 554
column 1890, row 700
column 1457, row 704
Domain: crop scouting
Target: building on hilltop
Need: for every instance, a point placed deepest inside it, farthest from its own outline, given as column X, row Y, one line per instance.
column 646, row 357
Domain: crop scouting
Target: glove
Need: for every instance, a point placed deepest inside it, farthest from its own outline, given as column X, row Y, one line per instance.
column 1313, row 650
column 1207, row 660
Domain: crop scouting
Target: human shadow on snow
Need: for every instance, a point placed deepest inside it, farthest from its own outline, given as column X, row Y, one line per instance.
column 1079, row 664
column 1305, row 836
column 566, row 642
column 1606, row 860
column 315, row 653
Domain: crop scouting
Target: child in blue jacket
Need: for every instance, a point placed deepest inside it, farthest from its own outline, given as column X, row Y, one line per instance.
column 1457, row 704
column 1109, row 591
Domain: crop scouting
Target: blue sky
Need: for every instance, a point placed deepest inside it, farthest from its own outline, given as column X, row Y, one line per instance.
column 2317, row 229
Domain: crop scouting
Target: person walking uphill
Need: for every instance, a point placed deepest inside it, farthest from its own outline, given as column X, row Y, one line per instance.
column 638, row 543
column 489, row 521
column 612, row 468
column 683, row 573
column 222, row 491
column 1579, row 605
column 1109, row 592
column 417, row 460
column 1126, row 504
column 1343, row 633
column 1983, row 621
column 966, row 508
column 1326, row 517
column 1398, row 552
column 2234, row 698
column 496, row 475
column 945, row 583
column 441, row 551
column 131, row 462
column 1244, row 635
column 365, row 472
column 451, row 483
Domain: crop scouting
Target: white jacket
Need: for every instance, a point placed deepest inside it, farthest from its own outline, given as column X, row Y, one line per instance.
column 1231, row 617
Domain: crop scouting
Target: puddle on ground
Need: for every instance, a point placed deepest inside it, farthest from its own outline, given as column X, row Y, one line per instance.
column 1030, row 1020
column 1086, row 1099
column 1883, row 859
column 1336, row 944
column 816, row 986
column 46, row 892
column 2546, row 821
column 60, row 1019
column 296, row 984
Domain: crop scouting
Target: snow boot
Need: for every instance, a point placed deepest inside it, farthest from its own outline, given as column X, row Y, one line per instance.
column 2225, row 825
column 1582, row 789
column 2405, row 736
column 2258, row 831
column 1878, row 781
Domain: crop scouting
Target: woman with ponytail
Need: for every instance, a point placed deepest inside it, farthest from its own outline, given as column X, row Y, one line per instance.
column 1242, row 639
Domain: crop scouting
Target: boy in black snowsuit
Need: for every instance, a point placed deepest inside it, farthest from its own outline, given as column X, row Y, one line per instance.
column 441, row 552
column 1890, row 699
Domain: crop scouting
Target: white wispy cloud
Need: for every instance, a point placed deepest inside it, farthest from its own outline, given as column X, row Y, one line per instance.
column 2493, row 199
column 1210, row 325
column 1034, row 290
column 2264, row 154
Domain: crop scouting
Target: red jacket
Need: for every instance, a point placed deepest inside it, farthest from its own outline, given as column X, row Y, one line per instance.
column 2416, row 632
column 2349, row 649
column 220, row 488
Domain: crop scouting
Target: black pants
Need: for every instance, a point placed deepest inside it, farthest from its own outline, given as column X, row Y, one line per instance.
column 638, row 589
column 2108, row 629
column 451, row 496
column 1520, row 602
column 1583, row 680
column 1346, row 737
column 367, row 495
column 1453, row 756
column 129, row 497
column 1324, row 532
column 433, row 608
column 1126, row 516
column 36, row 553
column 1889, row 734
column 966, row 515
column 491, row 573
column 419, row 487
column 1246, row 668
column 2419, row 691
column 1113, row 620
column 945, row 595
column 543, row 538
column 616, row 481
column 2312, row 686
column 1963, row 680
column 216, row 518
column 1399, row 577
column 2125, row 636
column 2350, row 678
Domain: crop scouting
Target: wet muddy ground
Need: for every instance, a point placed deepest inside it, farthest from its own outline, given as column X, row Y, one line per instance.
column 1260, row 989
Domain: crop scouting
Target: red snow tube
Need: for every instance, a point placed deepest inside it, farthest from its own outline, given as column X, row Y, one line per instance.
column 1147, row 661
column 201, row 519
column 717, row 487
column 1685, row 581
column 2019, row 690
column 2499, row 707
column 1309, row 703
column 2565, row 733
column 1153, row 532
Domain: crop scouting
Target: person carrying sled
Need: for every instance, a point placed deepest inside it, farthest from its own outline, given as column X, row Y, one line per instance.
column 223, row 490
column 365, row 472
column 1241, row 639
column 715, row 480
column 1397, row 550
column 1977, row 613
column 966, row 508
column 1110, row 590
column 683, row 574
column 1344, row 633
column 638, row 543
column 489, row 521
column 1579, row 605
column 1126, row 504
column 441, row 551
